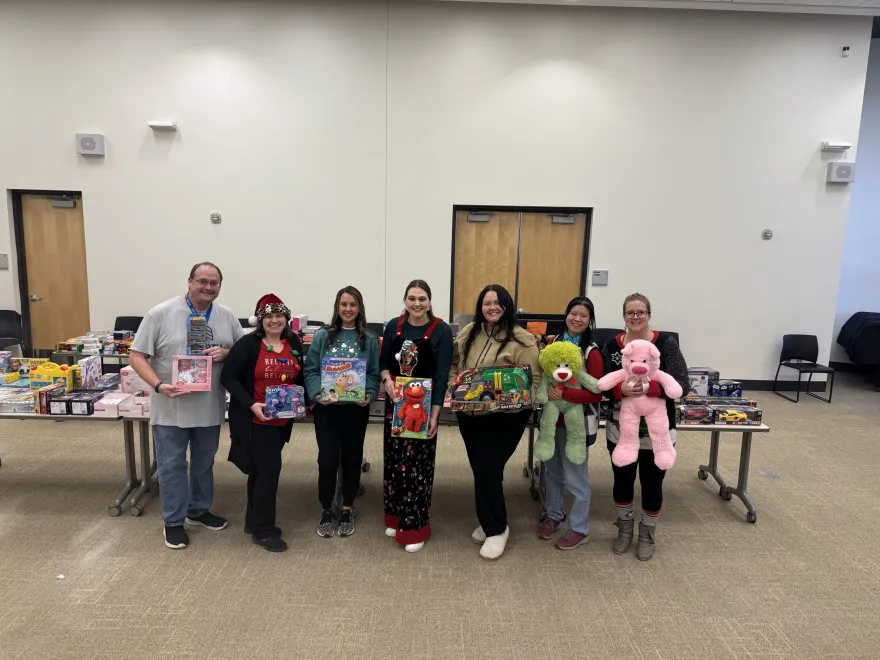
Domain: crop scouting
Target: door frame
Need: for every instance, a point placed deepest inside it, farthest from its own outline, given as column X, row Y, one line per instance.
column 560, row 210
column 21, row 254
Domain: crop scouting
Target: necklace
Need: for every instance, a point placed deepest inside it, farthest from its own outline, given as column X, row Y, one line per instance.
column 269, row 346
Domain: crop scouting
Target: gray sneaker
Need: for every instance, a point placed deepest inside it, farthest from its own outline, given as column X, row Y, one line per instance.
column 624, row 536
column 645, row 549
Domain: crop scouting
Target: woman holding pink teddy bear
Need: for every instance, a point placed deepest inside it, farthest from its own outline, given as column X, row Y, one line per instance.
column 637, row 316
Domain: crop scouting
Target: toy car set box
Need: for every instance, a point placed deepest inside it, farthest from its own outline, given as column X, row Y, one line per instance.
column 491, row 389
column 699, row 378
column 738, row 415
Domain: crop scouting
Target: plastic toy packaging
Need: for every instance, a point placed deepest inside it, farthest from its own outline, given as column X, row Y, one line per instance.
column 191, row 373
column 343, row 379
column 285, row 402
column 491, row 389
column 412, row 405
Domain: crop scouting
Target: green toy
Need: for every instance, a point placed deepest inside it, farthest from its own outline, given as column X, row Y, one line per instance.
column 563, row 366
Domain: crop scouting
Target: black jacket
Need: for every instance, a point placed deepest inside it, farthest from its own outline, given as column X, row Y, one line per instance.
column 238, row 379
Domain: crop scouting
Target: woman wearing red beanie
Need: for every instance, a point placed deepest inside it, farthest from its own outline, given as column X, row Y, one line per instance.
column 270, row 356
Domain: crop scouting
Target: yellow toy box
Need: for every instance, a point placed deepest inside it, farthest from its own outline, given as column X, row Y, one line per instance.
column 50, row 373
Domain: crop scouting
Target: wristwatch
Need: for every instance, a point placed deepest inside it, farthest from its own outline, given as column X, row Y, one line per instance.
column 158, row 385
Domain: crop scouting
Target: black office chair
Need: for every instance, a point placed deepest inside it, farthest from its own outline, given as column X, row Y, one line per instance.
column 602, row 335
column 131, row 323
column 245, row 323
column 378, row 328
column 806, row 349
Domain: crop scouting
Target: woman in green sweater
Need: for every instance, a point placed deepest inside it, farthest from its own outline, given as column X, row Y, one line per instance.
column 341, row 426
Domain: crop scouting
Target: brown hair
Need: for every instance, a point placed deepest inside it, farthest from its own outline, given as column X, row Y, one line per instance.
column 418, row 284
column 637, row 296
column 335, row 325
column 192, row 273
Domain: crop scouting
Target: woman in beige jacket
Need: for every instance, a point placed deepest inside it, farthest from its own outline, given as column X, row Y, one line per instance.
column 493, row 339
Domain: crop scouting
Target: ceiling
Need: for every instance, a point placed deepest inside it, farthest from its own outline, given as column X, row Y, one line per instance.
column 844, row 7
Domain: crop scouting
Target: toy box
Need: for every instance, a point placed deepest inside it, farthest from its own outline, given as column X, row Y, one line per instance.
column 191, row 373
column 285, row 402
column 40, row 398
column 343, row 379
column 490, row 389
column 122, row 335
column 699, row 380
column 5, row 356
column 90, row 369
column 738, row 415
column 131, row 383
column 10, row 378
column 50, row 373
column 718, row 401
column 412, row 407
column 727, row 388
column 134, row 407
column 59, row 404
column 18, row 402
column 23, row 365
column 107, row 382
column 84, row 403
column 108, row 405
column 299, row 322
column 689, row 414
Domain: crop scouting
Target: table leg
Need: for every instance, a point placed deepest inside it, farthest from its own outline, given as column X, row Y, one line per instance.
column 147, row 470
column 130, row 469
column 712, row 468
column 743, row 480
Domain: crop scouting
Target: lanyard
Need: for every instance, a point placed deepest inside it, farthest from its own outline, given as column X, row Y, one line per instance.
column 194, row 312
column 197, row 329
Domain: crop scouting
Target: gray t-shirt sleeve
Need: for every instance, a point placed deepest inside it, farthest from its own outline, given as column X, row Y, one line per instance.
column 147, row 335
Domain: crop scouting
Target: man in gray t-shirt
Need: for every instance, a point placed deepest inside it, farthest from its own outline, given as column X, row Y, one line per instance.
column 186, row 420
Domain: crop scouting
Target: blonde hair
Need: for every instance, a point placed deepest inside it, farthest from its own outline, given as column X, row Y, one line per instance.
column 634, row 297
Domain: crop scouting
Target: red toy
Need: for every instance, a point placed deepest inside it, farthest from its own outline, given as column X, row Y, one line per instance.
column 413, row 412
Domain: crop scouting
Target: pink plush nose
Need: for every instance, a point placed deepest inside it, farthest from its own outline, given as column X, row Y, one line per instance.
column 639, row 369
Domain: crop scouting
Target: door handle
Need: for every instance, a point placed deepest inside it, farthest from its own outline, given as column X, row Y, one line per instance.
column 34, row 298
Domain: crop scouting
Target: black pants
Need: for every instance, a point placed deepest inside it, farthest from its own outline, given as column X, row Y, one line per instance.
column 262, row 486
column 650, row 476
column 340, row 429
column 490, row 441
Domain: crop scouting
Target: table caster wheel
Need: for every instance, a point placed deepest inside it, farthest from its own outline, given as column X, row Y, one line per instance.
column 725, row 495
column 525, row 472
column 365, row 467
column 114, row 511
column 534, row 492
column 136, row 510
column 751, row 517
column 703, row 475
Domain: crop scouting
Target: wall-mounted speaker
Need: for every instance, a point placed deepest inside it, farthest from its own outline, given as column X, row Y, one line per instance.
column 90, row 144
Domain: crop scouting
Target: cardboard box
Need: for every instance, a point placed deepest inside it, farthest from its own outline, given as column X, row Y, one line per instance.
column 412, row 407
column 299, row 322
column 131, row 383
column 108, row 405
column 718, row 401
column 285, row 402
column 491, row 389
column 134, row 407
column 90, row 370
column 50, row 373
column 23, row 365
column 343, row 379
column 18, row 401
column 40, row 398
column 83, row 403
column 60, row 403
column 738, row 415
column 694, row 415
column 5, row 356
column 726, row 388
column 191, row 373
column 699, row 380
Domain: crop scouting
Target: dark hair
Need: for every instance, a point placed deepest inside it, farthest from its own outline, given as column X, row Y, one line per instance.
column 634, row 297
column 418, row 284
column 192, row 273
column 260, row 331
column 507, row 323
column 586, row 337
column 360, row 322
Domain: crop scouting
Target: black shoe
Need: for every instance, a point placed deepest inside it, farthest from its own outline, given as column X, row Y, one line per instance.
column 325, row 526
column 271, row 543
column 248, row 529
column 346, row 523
column 175, row 537
column 209, row 520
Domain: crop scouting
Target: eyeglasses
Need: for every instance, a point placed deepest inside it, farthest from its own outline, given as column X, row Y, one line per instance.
column 214, row 284
column 636, row 315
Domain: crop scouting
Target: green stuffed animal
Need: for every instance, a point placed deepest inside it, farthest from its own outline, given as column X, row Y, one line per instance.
column 563, row 366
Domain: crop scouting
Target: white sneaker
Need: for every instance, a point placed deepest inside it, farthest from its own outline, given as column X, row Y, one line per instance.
column 494, row 546
column 414, row 547
column 478, row 536
column 390, row 532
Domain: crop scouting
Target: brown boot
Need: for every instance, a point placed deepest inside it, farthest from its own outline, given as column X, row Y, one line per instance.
column 647, row 534
column 624, row 536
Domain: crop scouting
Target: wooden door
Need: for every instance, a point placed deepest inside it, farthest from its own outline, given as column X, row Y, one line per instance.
column 55, row 253
column 485, row 253
column 550, row 262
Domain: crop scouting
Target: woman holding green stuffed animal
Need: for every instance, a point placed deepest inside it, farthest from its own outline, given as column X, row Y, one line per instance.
column 560, row 472
column 493, row 339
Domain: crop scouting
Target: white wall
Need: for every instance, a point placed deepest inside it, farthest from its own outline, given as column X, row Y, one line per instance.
column 687, row 132
column 860, row 272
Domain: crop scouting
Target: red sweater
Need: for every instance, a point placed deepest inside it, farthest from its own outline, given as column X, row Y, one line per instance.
column 596, row 368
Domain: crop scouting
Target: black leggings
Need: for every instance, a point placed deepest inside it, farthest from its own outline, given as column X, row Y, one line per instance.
column 650, row 477
column 340, row 429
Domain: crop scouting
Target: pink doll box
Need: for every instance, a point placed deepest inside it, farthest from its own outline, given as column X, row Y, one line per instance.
column 191, row 373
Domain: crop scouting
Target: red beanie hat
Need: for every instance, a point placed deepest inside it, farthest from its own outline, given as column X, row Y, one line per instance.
column 268, row 304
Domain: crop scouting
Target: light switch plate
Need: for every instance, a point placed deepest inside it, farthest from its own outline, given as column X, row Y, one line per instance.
column 600, row 278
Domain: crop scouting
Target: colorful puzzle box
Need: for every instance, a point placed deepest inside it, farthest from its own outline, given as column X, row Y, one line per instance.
column 412, row 407
column 343, row 379
column 191, row 373
column 285, row 402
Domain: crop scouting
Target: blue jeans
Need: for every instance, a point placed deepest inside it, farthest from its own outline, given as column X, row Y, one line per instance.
column 560, row 473
column 184, row 497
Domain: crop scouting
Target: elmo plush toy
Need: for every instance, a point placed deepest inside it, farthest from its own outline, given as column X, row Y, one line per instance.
column 413, row 412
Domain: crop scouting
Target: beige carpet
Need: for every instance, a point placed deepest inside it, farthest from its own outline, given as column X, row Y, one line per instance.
column 802, row 583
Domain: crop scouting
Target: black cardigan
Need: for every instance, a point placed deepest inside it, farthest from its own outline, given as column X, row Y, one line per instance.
column 238, row 379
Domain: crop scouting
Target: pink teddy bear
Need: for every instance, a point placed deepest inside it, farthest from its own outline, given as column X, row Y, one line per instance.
column 641, row 364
